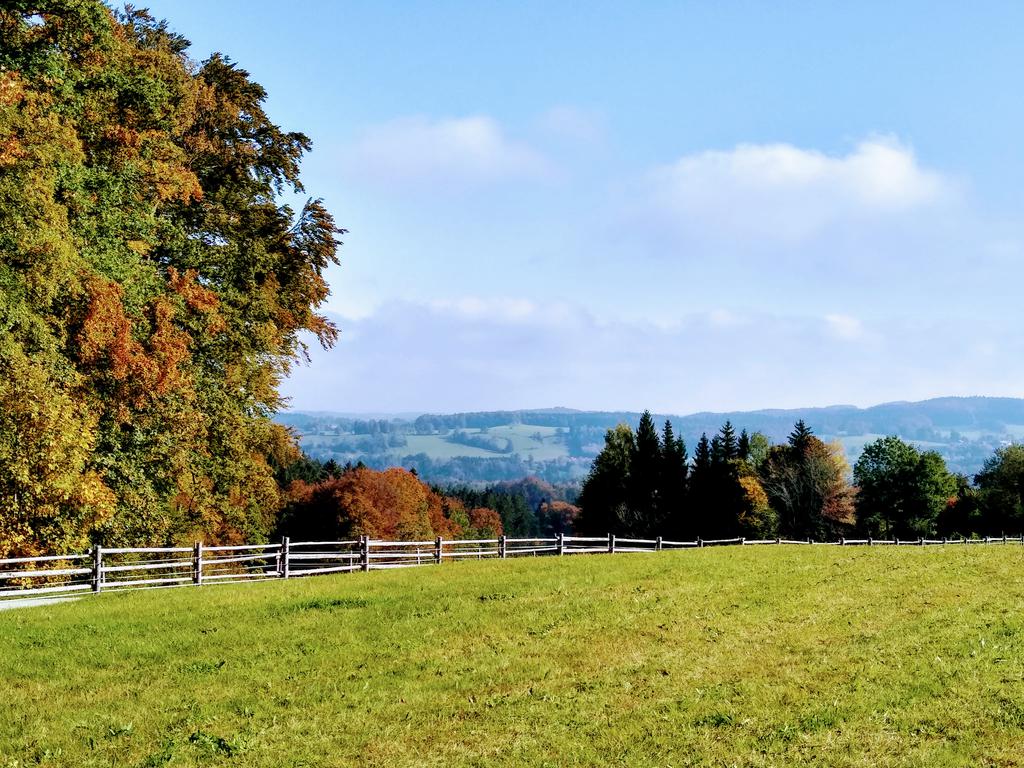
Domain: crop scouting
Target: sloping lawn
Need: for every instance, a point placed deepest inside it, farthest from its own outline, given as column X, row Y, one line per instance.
column 733, row 656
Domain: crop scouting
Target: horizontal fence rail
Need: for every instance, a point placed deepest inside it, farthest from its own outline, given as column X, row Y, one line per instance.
column 120, row 568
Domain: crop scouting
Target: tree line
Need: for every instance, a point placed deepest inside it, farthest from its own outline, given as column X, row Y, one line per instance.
column 645, row 483
column 328, row 501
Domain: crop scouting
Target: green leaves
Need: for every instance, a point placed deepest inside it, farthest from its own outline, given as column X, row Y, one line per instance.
column 154, row 289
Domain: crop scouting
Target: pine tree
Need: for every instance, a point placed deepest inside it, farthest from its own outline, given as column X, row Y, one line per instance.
column 701, row 488
column 672, row 483
column 702, row 457
column 743, row 446
column 800, row 437
column 730, row 449
column 717, row 452
column 645, row 471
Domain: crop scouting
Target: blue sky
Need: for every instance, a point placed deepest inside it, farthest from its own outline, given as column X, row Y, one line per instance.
column 678, row 206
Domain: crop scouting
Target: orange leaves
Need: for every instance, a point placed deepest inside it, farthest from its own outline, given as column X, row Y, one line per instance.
column 486, row 523
column 390, row 504
column 106, row 333
column 187, row 286
column 106, row 340
column 169, row 347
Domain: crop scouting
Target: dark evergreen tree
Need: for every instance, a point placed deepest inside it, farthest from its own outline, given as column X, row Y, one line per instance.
column 717, row 451
column 727, row 439
column 743, row 446
column 604, row 500
column 672, row 484
column 700, row 497
column 644, row 478
column 702, row 456
column 800, row 437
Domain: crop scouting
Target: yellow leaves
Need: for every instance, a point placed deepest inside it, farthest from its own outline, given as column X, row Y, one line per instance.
column 46, row 442
column 753, row 493
column 93, row 496
column 12, row 89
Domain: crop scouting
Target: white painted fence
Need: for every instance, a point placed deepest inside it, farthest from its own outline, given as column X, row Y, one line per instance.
column 119, row 568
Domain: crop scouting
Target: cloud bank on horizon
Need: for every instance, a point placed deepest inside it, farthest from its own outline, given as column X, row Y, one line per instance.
column 693, row 207
column 719, row 248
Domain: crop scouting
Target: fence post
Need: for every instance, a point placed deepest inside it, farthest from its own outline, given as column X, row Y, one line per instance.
column 501, row 547
column 809, row 540
column 920, row 541
column 944, row 541
column 986, row 539
column 438, row 544
column 869, row 541
column 657, row 544
column 842, row 541
column 611, row 543
column 365, row 552
column 561, row 544
column 197, row 563
column 700, row 542
column 778, row 539
column 285, row 543
column 743, row 540
column 97, row 567
column 896, row 541
column 1004, row 538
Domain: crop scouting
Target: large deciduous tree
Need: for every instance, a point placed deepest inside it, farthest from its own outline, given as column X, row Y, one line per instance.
column 1001, row 491
column 805, row 480
column 153, row 287
column 901, row 491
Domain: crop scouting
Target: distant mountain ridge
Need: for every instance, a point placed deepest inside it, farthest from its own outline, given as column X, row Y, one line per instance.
column 965, row 430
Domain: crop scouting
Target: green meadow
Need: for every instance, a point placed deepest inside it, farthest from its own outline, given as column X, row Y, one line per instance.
column 755, row 656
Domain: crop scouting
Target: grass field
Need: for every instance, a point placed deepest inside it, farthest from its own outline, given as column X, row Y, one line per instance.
column 731, row 656
column 523, row 437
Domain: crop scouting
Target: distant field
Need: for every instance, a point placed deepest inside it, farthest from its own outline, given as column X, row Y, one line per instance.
column 781, row 656
column 523, row 437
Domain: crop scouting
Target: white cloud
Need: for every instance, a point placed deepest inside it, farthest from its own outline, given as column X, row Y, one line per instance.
column 477, row 354
column 782, row 192
column 844, row 327
column 445, row 151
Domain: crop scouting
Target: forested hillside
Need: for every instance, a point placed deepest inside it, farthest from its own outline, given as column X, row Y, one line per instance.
column 558, row 444
column 153, row 286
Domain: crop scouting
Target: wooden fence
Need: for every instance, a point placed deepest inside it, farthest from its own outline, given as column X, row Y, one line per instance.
column 120, row 568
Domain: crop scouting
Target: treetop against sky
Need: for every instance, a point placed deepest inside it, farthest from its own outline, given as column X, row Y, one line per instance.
column 804, row 204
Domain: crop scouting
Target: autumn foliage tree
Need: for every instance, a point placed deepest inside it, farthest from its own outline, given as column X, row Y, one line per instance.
column 153, row 288
column 392, row 504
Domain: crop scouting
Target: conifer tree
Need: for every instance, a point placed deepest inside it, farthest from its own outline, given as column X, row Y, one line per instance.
column 800, row 437
column 727, row 437
column 699, row 497
column 645, row 471
column 672, row 483
column 604, row 499
column 717, row 451
column 702, row 456
column 743, row 446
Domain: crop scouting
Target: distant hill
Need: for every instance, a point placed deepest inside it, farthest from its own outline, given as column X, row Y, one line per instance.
column 558, row 444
